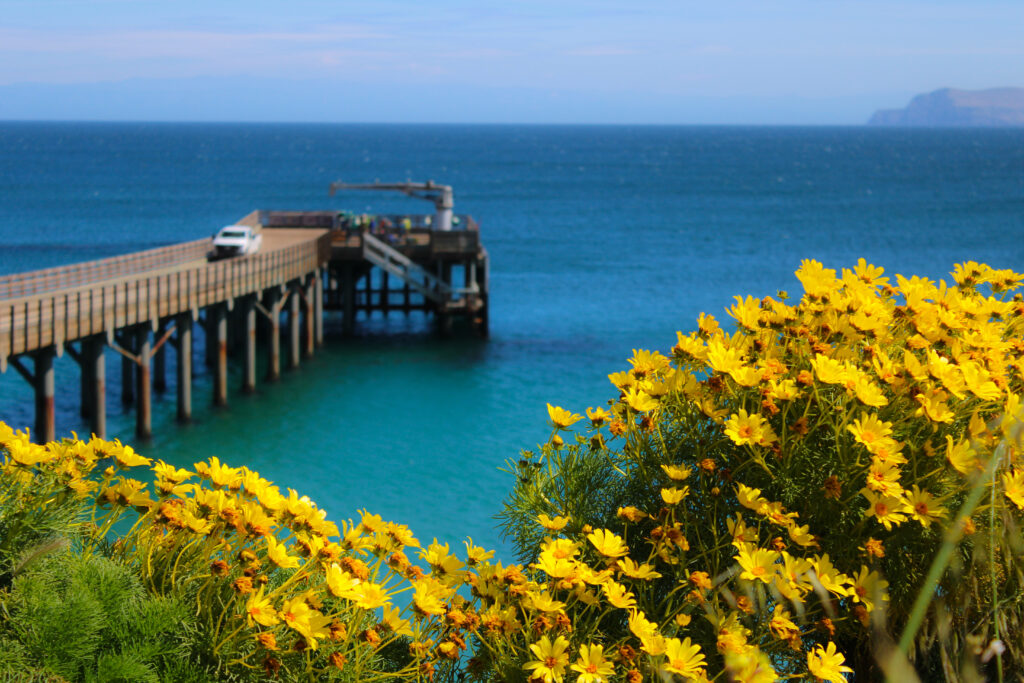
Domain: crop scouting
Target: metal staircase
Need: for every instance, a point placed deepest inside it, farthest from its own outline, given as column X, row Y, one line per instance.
column 394, row 262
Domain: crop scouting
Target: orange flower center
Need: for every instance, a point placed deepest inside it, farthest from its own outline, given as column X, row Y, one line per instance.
column 745, row 431
column 551, row 662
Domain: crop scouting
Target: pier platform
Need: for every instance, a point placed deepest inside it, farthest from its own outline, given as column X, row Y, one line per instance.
column 136, row 305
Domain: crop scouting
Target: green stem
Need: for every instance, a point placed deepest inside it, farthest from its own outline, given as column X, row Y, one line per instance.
column 945, row 554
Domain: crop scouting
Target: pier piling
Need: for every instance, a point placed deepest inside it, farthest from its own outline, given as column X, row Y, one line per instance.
column 294, row 327
column 249, row 341
column 183, row 343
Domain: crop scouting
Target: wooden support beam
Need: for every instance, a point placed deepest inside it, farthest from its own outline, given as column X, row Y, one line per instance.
column 144, row 409
column 249, row 342
column 95, row 361
column 318, row 305
column 309, row 314
column 160, row 363
column 184, row 347
column 272, row 311
column 385, row 294
column 42, row 381
column 220, row 336
column 348, row 296
column 294, row 329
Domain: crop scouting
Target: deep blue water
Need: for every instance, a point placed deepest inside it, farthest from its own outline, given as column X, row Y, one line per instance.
column 602, row 239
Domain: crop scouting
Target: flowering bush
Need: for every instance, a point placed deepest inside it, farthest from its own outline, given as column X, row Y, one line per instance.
column 768, row 502
column 272, row 587
column 785, row 500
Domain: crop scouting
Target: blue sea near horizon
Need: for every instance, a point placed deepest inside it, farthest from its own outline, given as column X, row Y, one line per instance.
column 602, row 239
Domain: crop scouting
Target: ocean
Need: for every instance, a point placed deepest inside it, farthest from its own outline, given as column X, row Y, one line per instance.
column 602, row 239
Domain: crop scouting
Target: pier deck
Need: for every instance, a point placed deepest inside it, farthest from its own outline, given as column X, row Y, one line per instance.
column 309, row 261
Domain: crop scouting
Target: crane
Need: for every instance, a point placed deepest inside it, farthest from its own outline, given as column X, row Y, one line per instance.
column 441, row 195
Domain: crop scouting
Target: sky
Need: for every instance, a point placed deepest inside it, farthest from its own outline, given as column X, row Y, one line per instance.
column 519, row 61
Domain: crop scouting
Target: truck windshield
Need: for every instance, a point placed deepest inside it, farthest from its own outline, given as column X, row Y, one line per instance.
column 232, row 233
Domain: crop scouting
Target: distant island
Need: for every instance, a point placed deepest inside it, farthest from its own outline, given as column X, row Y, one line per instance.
column 996, row 107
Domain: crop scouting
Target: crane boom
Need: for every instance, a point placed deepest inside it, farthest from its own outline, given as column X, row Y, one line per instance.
column 440, row 195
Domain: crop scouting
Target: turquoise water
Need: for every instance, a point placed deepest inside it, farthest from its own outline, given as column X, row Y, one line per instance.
column 602, row 239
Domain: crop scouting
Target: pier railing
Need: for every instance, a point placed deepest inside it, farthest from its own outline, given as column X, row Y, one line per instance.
column 61, row 277
column 29, row 323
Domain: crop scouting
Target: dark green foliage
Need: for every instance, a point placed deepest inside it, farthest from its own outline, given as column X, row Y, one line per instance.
column 87, row 618
column 31, row 519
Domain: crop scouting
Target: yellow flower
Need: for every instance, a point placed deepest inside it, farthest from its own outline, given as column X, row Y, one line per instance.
column 869, row 393
column 979, row 381
column 617, row 595
column 1013, row 487
column 339, row 582
column 757, row 563
column 793, row 578
column 962, row 457
column 555, row 567
column 750, row 498
column 829, row 370
column 724, row 358
column 783, row 390
column 428, row 596
column 631, row 569
column 562, row 418
column 126, row 457
column 869, row 430
column 781, row 624
column 607, row 543
column 924, row 506
column 868, row 588
column 260, row 610
column 748, row 429
column 545, row 603
column 551, row 659
column 691, row 346
column 827, row 664
column 592, row 667
column 747, row 312
column 817, row 280
column 443, row 563
column 308, row 622
column 884, row 477
column 218, row 474
column 170, row 473
column 676, row 472
column 933, row 404
column 278, row 554
column 561, row 548
column 640, row 626
column 598, row 416
column 639, row 401
column 552, row 524
column 369, row 595
column 392, row 618
column 475, row 554
column 888, row 510
column 801, row 535
column 672, row 496
column 684, row 658
column 830, row 578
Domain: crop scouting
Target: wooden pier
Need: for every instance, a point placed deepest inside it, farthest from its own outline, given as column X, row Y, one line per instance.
column 310, row 262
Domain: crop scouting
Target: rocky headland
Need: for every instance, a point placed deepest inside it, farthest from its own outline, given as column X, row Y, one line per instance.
column 996, row 107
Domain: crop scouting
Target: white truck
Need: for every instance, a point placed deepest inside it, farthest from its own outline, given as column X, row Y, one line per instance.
column 235, row 240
